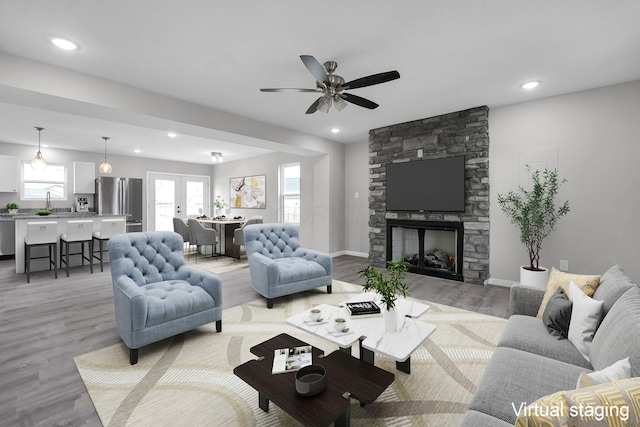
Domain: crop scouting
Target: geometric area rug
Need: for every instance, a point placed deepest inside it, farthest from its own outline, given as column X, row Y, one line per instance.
column 188, row 380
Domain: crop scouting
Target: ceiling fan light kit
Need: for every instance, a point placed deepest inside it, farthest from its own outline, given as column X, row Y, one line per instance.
column 332, row 86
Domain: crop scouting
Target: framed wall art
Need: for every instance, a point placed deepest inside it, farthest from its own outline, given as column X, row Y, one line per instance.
column 248, row 192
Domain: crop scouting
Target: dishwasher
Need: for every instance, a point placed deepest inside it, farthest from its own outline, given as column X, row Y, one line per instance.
column 7, row 236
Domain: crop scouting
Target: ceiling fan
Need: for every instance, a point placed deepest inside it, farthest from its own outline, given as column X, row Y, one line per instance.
column 332, row 86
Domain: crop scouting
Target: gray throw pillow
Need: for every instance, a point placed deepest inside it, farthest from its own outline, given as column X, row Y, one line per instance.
column 557, row 315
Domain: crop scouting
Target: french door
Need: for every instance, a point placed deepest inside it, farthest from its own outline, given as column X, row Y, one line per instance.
column 183, row 196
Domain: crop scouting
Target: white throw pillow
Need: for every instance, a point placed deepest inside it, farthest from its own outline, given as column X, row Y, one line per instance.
column 618, row 371
column 585, row 319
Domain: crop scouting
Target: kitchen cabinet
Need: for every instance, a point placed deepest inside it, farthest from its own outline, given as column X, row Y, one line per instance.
column 8, row 174
column 84, row 177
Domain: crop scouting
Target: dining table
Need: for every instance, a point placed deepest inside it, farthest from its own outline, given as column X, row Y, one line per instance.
column 225, row 228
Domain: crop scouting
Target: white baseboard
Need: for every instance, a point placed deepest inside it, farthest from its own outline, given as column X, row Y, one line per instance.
column 499, row 282
column 352, row 253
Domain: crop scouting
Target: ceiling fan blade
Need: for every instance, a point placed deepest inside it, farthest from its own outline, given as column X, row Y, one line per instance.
column 289, row 89
column 371, row 80
column 314, row 107
column 358, row 100
column 315, row 68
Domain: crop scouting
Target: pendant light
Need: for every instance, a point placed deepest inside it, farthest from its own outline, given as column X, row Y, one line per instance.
column 38, row 161
column 105, row 167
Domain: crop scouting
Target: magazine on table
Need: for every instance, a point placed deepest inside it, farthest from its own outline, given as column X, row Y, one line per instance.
column 363, row 308
column 291, row 359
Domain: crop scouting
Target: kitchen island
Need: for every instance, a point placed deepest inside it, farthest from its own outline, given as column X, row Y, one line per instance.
column 61, row 218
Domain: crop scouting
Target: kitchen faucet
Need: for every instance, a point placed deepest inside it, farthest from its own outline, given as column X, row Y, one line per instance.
column 48, row 202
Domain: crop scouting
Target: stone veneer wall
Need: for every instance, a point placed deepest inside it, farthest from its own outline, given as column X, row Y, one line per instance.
column 460, row 133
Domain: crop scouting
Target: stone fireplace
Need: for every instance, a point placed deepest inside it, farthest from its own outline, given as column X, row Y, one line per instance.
column 434, row 248
column 461, row 133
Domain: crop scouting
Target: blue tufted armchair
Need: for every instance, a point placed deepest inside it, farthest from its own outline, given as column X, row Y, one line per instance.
column 157, row 295
column 279, row 265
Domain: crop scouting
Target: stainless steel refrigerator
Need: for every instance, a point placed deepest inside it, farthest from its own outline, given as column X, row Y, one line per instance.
column 120, row 196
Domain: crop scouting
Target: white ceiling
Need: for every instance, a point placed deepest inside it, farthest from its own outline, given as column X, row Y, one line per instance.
column 451, row 55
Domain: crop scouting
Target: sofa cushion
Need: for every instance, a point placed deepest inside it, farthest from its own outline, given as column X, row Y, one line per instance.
column 480, row 419
column 560, row 279
column 557, row 315
column 618, row 336
column 514, row 378
column 295, row 269
column 613, row 283
column 528, row 334
column 173, row 299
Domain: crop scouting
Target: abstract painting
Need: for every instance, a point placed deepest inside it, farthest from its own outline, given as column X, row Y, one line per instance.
column 248, row 192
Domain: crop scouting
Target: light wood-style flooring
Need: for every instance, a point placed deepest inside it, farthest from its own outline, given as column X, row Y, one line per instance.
column 45, row 323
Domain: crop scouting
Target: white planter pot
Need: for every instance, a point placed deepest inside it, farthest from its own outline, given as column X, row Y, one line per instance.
column 537, row 279
column 390, row 320
column 13, row 211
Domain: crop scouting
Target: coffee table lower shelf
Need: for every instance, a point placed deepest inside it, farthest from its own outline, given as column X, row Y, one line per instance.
column 347, row 377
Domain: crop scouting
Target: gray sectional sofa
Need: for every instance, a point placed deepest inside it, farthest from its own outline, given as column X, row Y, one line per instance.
column 529, row 363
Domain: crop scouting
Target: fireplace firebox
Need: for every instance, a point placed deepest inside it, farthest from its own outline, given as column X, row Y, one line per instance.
column 434, row 248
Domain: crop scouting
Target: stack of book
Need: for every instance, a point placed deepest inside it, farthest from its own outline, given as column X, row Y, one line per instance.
column 363, row 308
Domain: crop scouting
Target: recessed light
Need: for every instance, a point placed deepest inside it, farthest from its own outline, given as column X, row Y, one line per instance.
column 172, row 134
column 64, row 43
column 136, row 151
column 530, row 85
column 335, row 130
column 46, row 145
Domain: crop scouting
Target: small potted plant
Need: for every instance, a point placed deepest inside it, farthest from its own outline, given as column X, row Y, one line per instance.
column 388, row 288
column 12, row 208
column 219, row 204
column 535, row 213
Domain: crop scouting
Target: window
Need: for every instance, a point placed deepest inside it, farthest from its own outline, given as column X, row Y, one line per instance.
column 36, row 183
column 290, row 193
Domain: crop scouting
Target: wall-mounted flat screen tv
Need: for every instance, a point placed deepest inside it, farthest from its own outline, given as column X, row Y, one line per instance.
column 426, row 185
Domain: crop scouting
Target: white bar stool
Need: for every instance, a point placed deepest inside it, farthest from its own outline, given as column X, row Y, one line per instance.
column 42, row 233
column 108, row 228
column 78, row 231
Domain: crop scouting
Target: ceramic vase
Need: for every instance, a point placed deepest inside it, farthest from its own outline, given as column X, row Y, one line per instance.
column 537, row 279
column 390, row 320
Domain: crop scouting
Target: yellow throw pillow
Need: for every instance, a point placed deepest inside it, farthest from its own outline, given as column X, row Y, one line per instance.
column 548, row 411
column 615, row 404
column 560, row 279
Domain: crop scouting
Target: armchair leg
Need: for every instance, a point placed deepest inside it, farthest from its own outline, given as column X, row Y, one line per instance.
column 218, row 325
column 329, row 289
column 269, row 302
column 133, row 356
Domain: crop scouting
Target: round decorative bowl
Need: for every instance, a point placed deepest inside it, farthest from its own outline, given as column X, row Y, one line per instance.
column 44, row 212
column 311, row 380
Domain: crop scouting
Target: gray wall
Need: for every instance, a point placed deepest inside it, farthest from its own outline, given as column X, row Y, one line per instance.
column 322, row 222
column 356, row 166
column 597, row 134
column 128, row 166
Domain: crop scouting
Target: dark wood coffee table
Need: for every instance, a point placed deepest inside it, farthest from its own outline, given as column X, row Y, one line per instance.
column 346, row 377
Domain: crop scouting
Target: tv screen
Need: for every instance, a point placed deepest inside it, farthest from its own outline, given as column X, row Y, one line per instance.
column 426, row 185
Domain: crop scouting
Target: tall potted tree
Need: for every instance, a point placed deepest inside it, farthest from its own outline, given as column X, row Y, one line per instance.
column 535, row 213
column 388, row 288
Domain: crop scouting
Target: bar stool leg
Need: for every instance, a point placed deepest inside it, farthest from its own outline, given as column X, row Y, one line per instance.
column 101, row 253
column 27, row 261
column 91, row 256
column 55, row 261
